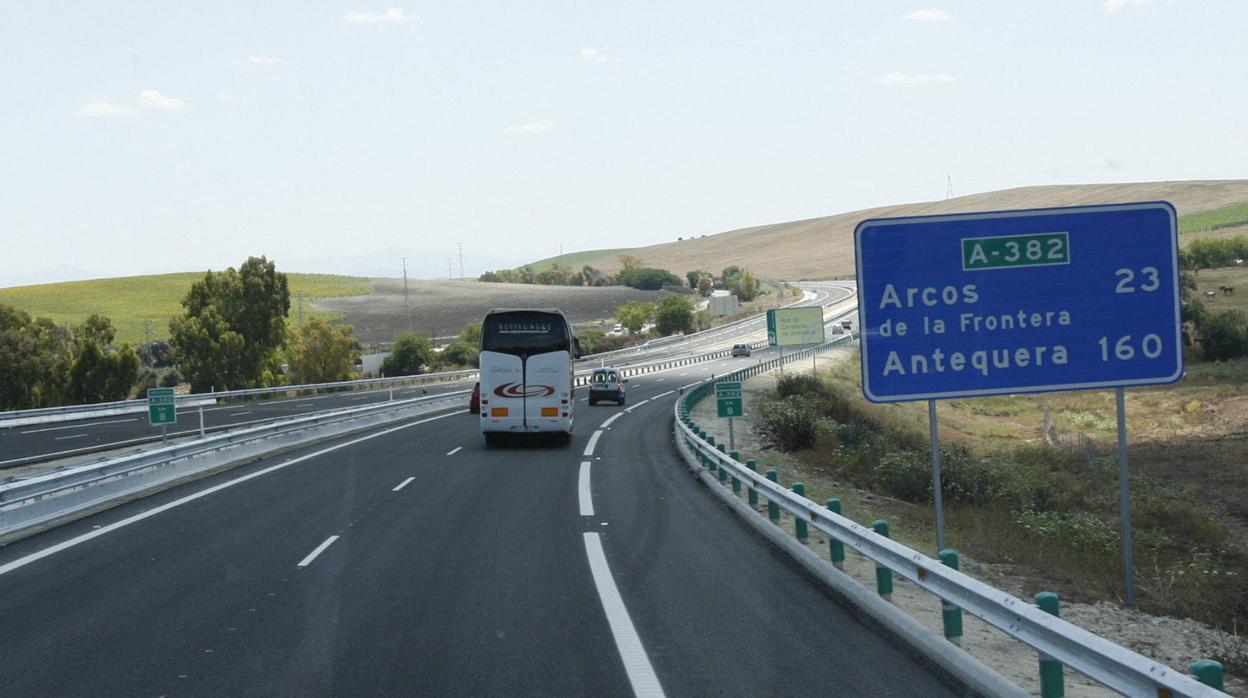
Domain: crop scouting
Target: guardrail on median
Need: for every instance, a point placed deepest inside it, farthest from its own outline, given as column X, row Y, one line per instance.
column 66, row 413
column 1114, row 666
column 30, row 502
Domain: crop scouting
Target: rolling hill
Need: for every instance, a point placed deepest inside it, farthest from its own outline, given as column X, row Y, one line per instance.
column 819, row 248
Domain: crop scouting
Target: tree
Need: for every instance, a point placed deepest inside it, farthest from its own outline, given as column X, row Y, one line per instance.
column 471, row 334
column 629, row 262
column 410, row 354
column 323, row 353
column 460, row 354
column 634, row 314
column 673, row 314
column 232, row 324
column 97, row 376
column 746, row 286
column 729, row 275
column 693, row 277
column 705, row 285
column 592, row 276
column 1224, row 336
column 648, row 278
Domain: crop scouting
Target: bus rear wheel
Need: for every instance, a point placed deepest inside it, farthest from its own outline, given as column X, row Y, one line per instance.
column 493, row 439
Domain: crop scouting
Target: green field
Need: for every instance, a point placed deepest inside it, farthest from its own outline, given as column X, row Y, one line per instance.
column 574, row 260
column 128, row 301
column 1225, row 217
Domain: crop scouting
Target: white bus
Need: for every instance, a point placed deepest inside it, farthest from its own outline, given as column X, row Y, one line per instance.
column 526, row 373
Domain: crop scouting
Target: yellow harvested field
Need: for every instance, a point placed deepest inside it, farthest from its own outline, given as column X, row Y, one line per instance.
column 820, row 248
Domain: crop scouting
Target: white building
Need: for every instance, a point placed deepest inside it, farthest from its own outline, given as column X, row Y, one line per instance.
column 723, row 303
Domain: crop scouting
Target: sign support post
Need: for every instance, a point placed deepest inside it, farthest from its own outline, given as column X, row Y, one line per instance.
column 732, row 438
column 164, row 434
column 1124, row 498
column 940, row 511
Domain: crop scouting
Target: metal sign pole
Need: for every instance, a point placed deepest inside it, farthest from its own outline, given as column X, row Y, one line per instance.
column 201, row 422
column 732, row 439
column 940, row 513
column 1124, row 497
column 164, row 433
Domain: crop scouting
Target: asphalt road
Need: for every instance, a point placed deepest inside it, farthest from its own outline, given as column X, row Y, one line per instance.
column 414, row 560
column 38, row 443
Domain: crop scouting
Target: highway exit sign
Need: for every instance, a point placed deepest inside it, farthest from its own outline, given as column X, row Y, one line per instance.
column 1019, row 301
column 161, row 408
column 728, row 402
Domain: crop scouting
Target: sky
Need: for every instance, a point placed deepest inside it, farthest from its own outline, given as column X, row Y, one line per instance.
column 143, row 137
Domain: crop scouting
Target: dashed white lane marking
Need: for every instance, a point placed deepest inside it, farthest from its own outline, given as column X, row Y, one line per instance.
column 71, row 436
column 610, row 419
column 319, row 549
column 585, row 495
column 636, row 664
column 455, row 450
column 239, row 414
column 76, row 540
column 636, row 405
column 593, row 441
column 403, row 484
column 76, row 426
column 659, row 380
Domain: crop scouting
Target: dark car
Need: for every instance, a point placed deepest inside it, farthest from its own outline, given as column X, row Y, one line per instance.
column 740, row 350
column 474, row 402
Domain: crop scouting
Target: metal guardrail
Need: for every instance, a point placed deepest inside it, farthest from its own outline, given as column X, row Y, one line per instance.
column 67, row 413
column 29, row 501
column 1114, row 666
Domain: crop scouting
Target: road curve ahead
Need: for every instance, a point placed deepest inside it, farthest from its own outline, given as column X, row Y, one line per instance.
column 413, row 560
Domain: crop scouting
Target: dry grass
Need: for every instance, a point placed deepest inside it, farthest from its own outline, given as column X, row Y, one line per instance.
column 821, row 248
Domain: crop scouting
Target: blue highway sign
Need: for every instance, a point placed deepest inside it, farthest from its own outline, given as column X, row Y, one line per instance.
column 1019, row 301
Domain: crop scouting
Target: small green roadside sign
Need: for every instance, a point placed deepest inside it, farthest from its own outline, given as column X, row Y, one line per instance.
column 160, row 406
column 728, row 399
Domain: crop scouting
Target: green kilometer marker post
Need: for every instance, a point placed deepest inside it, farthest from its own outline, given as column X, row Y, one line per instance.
column 161, row 409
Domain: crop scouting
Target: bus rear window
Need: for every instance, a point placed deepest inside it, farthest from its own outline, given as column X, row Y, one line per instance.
column 525, row 333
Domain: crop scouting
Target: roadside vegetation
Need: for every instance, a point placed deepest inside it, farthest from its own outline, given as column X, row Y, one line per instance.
column 1215, row 219
column 634, row 274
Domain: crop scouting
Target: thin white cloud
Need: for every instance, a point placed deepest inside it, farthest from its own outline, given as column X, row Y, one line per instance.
column 93, row 109
column 391, row 15
column 932, row 15
column 155, row 100
column 899, row 78
column 593, row 55
column 262, row 59
column 531, row 127
column 1114, row 6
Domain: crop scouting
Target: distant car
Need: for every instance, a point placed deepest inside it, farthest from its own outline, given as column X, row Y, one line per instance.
column 474, row 402
column 740, row 350
column 847, row 324
column 837, row 329
column 606, row 384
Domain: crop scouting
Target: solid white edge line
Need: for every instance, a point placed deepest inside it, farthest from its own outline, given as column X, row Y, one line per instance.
column 593, row 442
column 610, row 419
column 656, row 397
column 75, row 426
column 636, row 664
column 585, row 495
column 638, row 404
column 71, row 436
column 319, row 549
column 76, row 540
column 455, row 450
column 403, row 484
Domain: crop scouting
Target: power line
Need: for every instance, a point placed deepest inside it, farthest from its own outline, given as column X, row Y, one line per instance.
column 948, row 186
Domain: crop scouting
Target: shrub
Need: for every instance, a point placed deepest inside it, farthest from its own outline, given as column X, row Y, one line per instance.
column 171, row 378
column 1224, row 336
column 789, row 424
column 905, row 475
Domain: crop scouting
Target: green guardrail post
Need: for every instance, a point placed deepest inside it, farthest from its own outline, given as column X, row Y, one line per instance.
column 1209, row 673
column 1052, row 683
column 710, row 461
column 836, row 549
column 883, row 575
column 800, row 529
column 736, row 483
column 773, row 509
column 949, row 613
column 723, row 472
column 752, row 465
